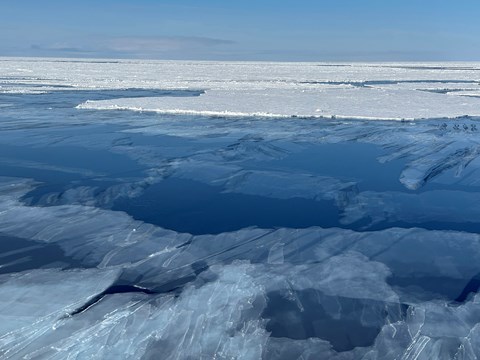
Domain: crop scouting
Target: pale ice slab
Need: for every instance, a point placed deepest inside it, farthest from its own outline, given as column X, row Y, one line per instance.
column 34, row 302
column 356, row 102
column 216, row 320
column 467, row 92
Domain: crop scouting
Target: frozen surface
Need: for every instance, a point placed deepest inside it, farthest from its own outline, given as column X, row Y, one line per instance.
column 264, row 236
column 373, row 91
column 33, row 303
column 355, row 102
column 130, row 326
column 228, row 308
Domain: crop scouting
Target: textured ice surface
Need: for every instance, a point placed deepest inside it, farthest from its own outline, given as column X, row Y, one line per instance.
column 393, row 275
column 439, row 206
column 219, row 319
column 34, row 303
column 228, row 308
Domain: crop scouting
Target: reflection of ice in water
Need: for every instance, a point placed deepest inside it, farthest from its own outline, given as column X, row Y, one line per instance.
column 278, row 293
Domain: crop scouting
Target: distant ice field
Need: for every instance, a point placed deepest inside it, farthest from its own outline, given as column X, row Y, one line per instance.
column 200, row 210
column 367, row 91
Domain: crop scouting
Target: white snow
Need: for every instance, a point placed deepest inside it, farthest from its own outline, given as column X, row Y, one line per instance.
column 351, row 90
column 353, row 103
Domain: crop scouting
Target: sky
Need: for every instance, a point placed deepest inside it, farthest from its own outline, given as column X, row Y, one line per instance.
column 280, row 30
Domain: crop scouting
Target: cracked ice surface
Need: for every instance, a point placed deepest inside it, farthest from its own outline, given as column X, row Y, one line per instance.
column 395, row 276
column 194, row 325
column 225, row 303
column 34, row 303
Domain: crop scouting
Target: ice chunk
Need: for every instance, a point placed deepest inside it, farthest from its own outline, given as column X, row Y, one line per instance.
column 33, row 302
column 275, row 255
column 441, row 332
column 442, row 157
column 217, row 320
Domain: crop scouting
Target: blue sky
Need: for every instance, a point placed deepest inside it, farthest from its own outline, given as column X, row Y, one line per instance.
column 286, row 30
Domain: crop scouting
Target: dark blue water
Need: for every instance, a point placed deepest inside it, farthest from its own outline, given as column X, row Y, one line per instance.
column 196, row 208
column 344, row 331
column 71, row 98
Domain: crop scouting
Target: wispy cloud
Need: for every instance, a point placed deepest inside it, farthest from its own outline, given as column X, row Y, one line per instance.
column 133, row 46
column 162, row 43
column 60, row 48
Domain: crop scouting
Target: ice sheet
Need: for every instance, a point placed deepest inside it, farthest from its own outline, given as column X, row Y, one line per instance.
column 354, row 103
column 372, row 91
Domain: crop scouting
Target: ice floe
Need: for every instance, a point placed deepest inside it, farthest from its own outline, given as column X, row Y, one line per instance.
column 359, row 103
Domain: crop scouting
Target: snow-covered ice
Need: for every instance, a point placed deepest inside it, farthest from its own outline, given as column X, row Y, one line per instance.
column 355, row 102
column 373, row 91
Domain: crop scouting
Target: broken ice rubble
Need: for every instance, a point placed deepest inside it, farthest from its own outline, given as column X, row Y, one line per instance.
column 230, row 290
